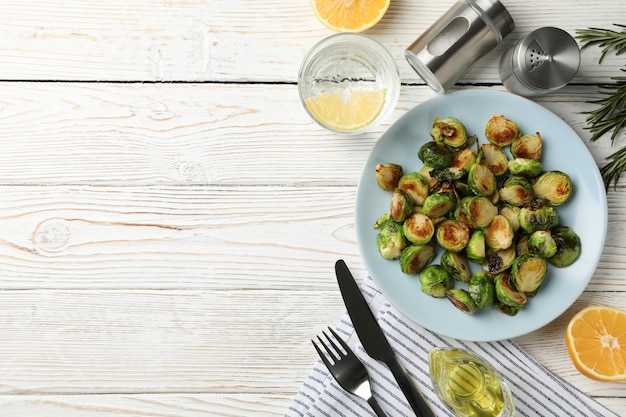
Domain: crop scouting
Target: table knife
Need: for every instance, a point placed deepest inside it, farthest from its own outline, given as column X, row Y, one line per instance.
column 373, row 339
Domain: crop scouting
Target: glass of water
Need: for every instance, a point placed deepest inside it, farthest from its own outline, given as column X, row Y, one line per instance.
column 349, row 82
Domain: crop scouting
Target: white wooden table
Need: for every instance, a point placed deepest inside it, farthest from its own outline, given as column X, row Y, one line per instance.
column 170, row 216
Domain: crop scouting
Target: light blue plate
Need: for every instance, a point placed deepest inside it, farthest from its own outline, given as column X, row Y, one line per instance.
column 585, row 212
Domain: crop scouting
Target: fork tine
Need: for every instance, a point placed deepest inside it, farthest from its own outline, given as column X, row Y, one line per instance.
column 334, row 345
column 321, row 354
column 342, row 342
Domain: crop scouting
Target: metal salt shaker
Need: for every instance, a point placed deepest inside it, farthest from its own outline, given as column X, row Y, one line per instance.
column 543, row 61
column 466, row 32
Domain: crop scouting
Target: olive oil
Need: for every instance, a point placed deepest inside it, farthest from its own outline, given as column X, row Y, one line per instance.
column 468, row 385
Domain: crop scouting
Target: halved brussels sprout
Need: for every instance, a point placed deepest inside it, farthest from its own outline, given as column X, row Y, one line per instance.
column 464, row 159
column 390, row 240
column 435, row 281
column 450, row 131
column 541, row 243
column 522, row 245
column 435, row 154
column 439, row 204
column 447, row 174
column 497, row 262
column 525, row 167
column 528, row 272
column 481, row 289
column 527, row 146
column 476, row 247
column 517, row 191
column 506, row 294
column 425, row 172
column 462, row 300
column 499, row 234
column 418, row 228
column 494, row 158
column 537, row 216
column 401, row 205
column 479, row 211
column 501, row 131
column 457, row 266
column 388, row 175
column 567, row 244
column 452, row 235
column 415, row 257
column 460, row 214
column 511, row 212
column 554, row 186
column 481, row 180
column 415, row 186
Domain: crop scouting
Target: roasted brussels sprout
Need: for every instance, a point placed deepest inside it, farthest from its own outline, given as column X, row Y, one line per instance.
column 415, row 257
column 447, row 174
column 567, row 246
column 522, row 245
column 463, row 159
column 497, row 262
column 525, row 167
column 481, row 289
column 401, row 205
column 508, row 310
column 457, row 266
column 528, row 272
column 479, row 211
column 517, row 191
column 537, row 216
column 499, row 234
column 541, row 243
column 415, row 186
column 481, row 180
column 450, row 131
column 439, row 204
column 425, row 172
column 462, row 189
column 382, row 220
column 391, row 240
column 452, row 235
column 554, row 186
column 388, row 175
column 462, row 300
column 501, row 131
column 506, row 294
column 527, row 146
column 511, row 212
column 435, row 154
column 418, row 228
column 494, row 158
column 476, row 247
column 435, row 281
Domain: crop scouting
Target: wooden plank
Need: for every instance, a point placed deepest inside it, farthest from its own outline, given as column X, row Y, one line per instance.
column 237, row 40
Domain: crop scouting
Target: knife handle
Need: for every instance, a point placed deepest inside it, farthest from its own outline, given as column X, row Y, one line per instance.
column 416, row 400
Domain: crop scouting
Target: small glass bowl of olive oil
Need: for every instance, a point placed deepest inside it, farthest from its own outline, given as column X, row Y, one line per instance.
column 468, row 385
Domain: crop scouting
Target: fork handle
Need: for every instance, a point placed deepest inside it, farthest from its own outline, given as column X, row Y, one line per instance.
column 374, row 404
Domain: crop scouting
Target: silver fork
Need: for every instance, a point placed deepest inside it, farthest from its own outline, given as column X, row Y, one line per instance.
column 347, row 369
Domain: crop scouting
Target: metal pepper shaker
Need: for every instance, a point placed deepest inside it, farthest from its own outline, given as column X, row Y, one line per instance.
column 543, row 61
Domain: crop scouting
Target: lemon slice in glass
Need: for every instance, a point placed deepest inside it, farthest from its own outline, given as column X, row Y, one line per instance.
column 348, row 110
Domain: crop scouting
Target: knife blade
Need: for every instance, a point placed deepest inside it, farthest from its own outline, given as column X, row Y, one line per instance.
column 373, row 339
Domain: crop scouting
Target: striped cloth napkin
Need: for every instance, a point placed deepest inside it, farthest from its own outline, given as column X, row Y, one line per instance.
column 535, row 391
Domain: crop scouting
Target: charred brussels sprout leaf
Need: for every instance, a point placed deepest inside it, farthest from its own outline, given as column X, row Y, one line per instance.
column 415, row 257
column 450, row 131
column 391, row 240
column 462, row 300
column 568, row 246
column 388, row 175
column 481, row 289
column 435, row 281
column 528, row 272
column 457, row 266
column 554, row 186
column 418, row 228
column 401, row 205
column 415, row 186
column 435, row 154
column 501, row 131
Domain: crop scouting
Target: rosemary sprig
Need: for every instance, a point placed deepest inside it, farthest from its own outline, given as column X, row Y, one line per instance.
column 610, row 116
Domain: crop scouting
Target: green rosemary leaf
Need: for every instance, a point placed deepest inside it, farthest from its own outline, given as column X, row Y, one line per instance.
column 610, row 116
column 612, row 171
column 607, row 39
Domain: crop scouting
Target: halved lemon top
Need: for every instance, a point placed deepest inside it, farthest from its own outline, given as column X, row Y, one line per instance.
column 348, row 110
column 596, row 341
column 350, row 15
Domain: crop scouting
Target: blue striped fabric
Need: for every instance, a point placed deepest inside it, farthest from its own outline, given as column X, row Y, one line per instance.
column 536, row 391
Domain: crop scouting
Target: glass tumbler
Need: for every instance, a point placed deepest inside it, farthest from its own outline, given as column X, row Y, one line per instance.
column 349, row 68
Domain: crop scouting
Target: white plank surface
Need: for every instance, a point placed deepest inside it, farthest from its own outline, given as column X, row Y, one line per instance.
column 169, row 216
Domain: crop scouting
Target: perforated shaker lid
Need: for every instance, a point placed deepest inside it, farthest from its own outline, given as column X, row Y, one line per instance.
column 546, row 59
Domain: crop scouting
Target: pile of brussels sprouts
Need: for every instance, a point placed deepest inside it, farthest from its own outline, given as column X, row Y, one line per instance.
column 479, row 206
